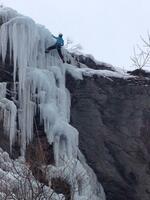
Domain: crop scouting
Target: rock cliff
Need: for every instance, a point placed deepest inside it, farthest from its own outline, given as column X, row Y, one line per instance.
column 113, row 118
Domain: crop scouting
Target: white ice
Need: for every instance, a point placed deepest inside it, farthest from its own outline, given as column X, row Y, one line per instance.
column 39, row 81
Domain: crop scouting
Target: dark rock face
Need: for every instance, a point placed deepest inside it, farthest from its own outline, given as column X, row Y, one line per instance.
column 140, row 72
column 113, row 118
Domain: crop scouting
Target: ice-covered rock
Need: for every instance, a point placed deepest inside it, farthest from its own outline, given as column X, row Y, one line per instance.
column 39, row 87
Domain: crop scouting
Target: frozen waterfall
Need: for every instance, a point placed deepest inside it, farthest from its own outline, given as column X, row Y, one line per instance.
column 39, row 81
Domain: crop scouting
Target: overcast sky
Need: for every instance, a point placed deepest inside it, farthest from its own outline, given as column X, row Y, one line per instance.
column 107, row 29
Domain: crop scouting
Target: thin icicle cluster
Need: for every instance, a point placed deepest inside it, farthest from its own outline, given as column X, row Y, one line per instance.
column 8, row 113
column 39, row 81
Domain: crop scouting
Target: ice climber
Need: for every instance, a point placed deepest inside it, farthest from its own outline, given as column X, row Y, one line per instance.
column 59, row 43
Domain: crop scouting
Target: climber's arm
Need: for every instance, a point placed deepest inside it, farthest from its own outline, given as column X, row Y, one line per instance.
column 55, row 37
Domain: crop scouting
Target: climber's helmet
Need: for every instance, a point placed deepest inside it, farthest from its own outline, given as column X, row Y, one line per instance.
column 60, row 34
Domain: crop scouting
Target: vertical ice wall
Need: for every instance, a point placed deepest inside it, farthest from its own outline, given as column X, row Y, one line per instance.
column 40, row 83
column 39, row 80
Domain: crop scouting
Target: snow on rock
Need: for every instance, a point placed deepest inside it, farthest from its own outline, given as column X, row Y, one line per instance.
column 39, row 81
column 105, row 73
column 74, row 71
column 77, row 73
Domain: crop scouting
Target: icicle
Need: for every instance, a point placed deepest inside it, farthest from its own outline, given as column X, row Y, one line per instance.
column 3, row 90
column 9, row 121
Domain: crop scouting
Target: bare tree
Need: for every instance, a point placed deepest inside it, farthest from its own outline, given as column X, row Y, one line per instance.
column 141, row 55
column 18, row 183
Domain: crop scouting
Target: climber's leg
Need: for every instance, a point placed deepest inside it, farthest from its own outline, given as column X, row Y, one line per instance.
column 50, row 48
column 60, row 53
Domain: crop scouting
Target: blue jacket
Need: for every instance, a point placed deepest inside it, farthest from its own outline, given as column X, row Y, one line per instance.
column 60, row 41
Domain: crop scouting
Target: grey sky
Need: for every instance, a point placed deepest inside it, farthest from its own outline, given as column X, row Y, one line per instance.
column 107, row 29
